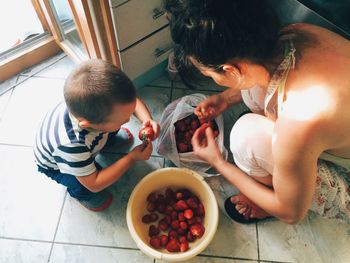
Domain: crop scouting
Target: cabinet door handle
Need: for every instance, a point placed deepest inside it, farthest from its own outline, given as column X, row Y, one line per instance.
column 160, row 51
column 157, row 13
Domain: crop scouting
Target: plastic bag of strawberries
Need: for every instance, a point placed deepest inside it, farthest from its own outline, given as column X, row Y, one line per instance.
column 178, row 124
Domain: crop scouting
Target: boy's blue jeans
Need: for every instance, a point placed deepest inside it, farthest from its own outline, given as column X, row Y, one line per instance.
column 74, row 187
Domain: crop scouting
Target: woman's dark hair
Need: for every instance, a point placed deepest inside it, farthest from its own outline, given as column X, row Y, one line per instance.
column 94, row 87
column 214, row 32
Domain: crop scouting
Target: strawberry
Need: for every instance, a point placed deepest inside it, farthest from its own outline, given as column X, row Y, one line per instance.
column 175, row 224
column 197, row 230
column 200, row 211
column 192, row 202
column 190, row 237
column 146, row 133
column 173, row 246
column 184, row 246
column 172, row 234
column 188, row 213
column 182, row 239
column 151, row 207
column 183, row 225
column 146, row 219
column 152, row 198
column 163, row 240
column 154, row 217
column 182, row 147
column 181, row 217
column 180, row 205
column 155, row 242
column 153, row 231
column 163, row 225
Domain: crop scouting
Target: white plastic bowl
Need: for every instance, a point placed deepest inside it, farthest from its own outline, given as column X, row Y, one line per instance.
column 174, row 178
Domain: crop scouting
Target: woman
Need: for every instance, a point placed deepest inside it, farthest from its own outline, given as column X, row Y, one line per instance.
column 292, row 153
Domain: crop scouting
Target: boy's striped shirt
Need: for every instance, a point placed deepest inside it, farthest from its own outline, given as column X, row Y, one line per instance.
column 62, row 145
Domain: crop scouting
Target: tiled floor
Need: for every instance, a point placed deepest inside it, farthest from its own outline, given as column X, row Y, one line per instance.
column 39, row 222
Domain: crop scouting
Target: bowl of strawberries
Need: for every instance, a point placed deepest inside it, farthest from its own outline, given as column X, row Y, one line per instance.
column 172, row 214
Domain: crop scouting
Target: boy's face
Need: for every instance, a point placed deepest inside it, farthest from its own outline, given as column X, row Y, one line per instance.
column 120, row 114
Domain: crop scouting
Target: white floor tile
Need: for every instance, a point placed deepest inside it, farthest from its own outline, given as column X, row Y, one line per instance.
column 29, row 103
column 31, row 202
column 87, row 254
column 15, row 251
column 314, row 240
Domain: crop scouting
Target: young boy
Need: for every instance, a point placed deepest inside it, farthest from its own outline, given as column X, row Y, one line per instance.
column 99, row 98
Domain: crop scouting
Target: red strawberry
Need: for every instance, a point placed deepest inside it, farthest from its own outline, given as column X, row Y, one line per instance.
column 172, row 234
column 181, row 216
column 183, row 225
column 173, row 246
column 146, row 133
column 200, row 211
column 180, row 205
column 146, row 219
column 190, row 237
column 153, row 231
column 155, row 242
column 175, row 224
column 184, row 246
column 182, row 239
column 188, row 213
column 152, row 198
column 192, row 202
column 163, row 240
column 180, row 126
column 197, row 230
column 151, row 207
column 163, row 225
column 154, row 217
column 182, row 148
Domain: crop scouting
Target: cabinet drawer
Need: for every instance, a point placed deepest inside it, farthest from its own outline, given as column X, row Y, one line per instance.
column 114, row 3
column 147, row 54
column 136, row 19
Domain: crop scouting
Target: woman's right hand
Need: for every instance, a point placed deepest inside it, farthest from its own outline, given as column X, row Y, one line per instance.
column 211, row 107
column 142, row 151
column 205, row 146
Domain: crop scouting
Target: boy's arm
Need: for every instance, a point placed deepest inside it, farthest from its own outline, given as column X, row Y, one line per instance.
column 100, row 180
column 142, row 112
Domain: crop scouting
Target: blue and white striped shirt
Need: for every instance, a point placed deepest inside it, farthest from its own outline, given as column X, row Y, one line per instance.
column 62, row 145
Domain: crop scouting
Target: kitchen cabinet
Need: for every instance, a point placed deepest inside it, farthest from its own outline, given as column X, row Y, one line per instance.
column 133, row 34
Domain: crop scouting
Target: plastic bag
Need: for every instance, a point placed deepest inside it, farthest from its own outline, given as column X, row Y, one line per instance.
column 166, row 145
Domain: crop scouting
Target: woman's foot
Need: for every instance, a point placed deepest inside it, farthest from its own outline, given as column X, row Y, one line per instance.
column 242, row 210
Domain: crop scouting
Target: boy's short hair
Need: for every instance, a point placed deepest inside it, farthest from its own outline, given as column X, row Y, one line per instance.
column 94, row 87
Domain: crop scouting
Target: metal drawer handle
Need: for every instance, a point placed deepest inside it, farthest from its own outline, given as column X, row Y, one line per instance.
column 157, row 13
column 160, row 51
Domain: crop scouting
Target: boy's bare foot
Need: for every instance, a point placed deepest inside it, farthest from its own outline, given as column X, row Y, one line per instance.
column 242, row 210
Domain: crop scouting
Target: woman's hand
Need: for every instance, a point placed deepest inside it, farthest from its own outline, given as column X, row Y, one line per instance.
column 155, row 126
column 205, row 146
column 211, row 107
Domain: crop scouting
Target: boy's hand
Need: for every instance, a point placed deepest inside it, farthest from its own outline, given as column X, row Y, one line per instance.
column 142, row 151
column 155, row 126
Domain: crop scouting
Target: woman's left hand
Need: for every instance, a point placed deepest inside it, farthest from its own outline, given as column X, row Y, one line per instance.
column 155, row 126
column 205, row 146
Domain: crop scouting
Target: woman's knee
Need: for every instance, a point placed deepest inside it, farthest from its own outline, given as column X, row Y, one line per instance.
column 250, row 144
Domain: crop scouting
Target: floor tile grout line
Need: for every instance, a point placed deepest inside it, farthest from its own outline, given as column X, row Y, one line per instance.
column 25, row 239
column 91, row 245
column 16, row 145
column 58, row 223
column 257, row 240
column 7, row 103
column 26, row 77
column 226, row 257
